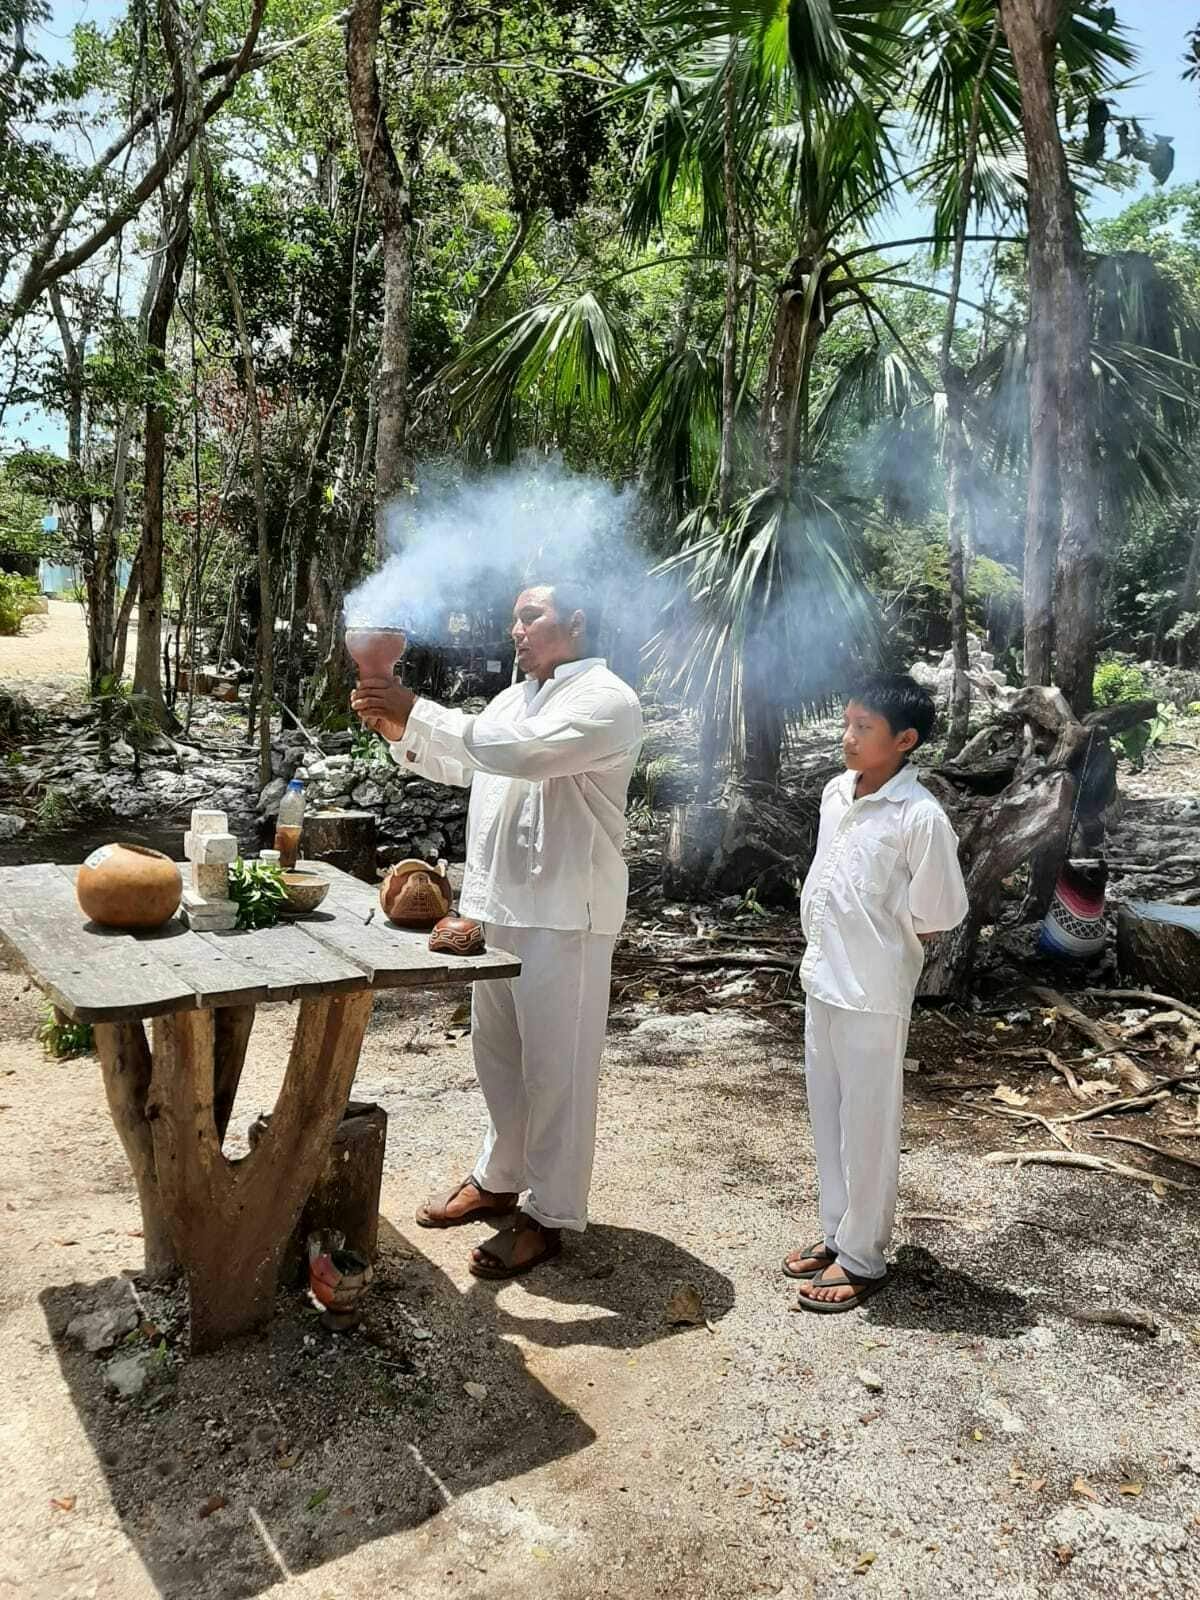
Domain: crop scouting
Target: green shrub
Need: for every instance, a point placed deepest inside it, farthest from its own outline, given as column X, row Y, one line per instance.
column 17, row 597
column 1116, row 681
column 62, row 1039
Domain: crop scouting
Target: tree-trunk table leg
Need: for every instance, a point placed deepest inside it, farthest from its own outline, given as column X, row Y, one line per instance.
column 233, row 1025
column 231, row 1220
column 126, row 1065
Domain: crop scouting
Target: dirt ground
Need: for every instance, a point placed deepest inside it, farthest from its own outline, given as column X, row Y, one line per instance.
column 967, row 1433
column 49, row 655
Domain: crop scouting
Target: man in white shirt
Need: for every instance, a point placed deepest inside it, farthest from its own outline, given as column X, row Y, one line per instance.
column 885, row 877
column 548, row 763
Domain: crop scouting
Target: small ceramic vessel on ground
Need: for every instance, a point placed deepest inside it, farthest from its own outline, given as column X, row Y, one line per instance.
column 458, row 936
column 338, row 1280
column 128, row 886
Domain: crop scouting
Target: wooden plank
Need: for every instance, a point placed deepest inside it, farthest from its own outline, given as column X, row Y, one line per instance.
column 92, row 974
column 286, row 963
column 391, row 957
column 216, row 976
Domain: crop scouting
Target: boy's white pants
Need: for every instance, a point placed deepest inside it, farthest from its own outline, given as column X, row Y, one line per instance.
column 854, row 1067
column 537, row 1040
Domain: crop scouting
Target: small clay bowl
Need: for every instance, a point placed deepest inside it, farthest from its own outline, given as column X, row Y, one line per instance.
column 304, row 890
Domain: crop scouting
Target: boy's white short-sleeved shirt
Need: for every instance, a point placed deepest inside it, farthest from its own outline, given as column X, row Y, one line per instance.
column 885, row 872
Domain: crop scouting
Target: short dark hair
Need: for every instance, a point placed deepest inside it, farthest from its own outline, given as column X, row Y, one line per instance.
column 901, row 701
column 572, row 594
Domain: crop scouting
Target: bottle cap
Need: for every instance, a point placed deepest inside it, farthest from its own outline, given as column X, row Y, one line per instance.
column 271, row 856
column 296, row 783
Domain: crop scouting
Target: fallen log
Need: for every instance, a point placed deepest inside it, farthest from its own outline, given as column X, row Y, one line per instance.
column 1160, row 942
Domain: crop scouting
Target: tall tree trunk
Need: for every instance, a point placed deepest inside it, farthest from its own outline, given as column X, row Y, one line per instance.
column 958, row 509
column 799, row 324
column 264, row 670
column 729, row 344
column 390, row 192
column 147, row 671
column 1062, row 515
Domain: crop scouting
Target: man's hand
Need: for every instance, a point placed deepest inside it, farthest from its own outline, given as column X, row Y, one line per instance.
column 384, row 705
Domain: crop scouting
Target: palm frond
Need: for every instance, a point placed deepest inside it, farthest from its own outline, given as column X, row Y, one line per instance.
column 775, row 597
column 572, row 352
column 676, row 426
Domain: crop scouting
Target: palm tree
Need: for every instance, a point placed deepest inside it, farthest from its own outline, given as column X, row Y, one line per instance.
column 814, row 113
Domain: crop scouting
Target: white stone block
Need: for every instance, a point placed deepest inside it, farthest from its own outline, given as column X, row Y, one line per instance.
column 211, row 849
column 209, row 821
column 210, row 881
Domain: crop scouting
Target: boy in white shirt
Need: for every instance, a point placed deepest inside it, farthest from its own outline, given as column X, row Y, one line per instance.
column 885, row 878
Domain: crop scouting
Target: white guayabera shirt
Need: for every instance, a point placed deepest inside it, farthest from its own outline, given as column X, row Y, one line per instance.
column 549, row 768
column 885, row 871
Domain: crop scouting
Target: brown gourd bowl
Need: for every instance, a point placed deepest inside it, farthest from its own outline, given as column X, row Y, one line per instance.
column 128, row 886
column 304, row 891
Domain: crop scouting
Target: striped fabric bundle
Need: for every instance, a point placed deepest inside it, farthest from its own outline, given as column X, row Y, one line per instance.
column 1073, row 929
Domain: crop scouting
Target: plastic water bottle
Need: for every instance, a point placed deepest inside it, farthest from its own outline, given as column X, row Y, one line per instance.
column 289, row 824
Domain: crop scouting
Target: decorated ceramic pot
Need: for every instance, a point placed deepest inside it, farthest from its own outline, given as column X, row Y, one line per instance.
column 458, row 936
column 416, row 895
column 128, row 886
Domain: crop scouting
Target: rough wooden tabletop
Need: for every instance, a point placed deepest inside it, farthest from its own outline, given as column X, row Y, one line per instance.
column 96, row 974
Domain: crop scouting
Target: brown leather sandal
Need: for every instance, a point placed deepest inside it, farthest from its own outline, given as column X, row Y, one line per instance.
column 433, row 1214
column 500, row 1247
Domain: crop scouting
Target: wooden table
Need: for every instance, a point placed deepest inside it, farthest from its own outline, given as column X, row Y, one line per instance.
column 226, row 1223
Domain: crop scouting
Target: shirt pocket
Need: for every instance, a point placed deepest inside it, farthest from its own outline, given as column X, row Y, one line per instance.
column 873, row 867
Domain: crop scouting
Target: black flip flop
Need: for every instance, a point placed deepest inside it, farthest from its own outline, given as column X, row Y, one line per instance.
column 501, row 1245
column 863, row 1288
column 818, row 1249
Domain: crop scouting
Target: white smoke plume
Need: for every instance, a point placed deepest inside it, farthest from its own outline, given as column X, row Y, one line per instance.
column 476, row 541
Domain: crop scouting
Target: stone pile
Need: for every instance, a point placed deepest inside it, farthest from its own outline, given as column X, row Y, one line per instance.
column 416, row 819
column 988, row 686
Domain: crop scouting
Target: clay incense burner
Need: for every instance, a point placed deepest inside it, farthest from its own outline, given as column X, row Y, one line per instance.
column 338, row 1279
column 416, row 895
column 129, row 886
column 375, row 652
column 458, row 936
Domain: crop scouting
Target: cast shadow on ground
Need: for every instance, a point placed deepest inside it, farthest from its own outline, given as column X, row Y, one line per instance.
column 925, row 1293
column 319, row 1443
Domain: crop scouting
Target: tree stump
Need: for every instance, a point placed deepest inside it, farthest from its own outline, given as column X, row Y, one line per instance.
column 345, row 839
column 345, row 1196
column 1159, row 944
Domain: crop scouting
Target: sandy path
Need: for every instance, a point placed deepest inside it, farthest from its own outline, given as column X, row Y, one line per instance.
column 610, row 1455
column 52, row 647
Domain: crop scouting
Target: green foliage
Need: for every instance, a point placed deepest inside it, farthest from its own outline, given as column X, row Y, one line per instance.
column 62, row 1040
column 1137, row 743
column 52, row 808
column 17, row 597
column 367, row 749
column 1117, row 681
column 131, row 715
column 256, row 888
column 652, row 776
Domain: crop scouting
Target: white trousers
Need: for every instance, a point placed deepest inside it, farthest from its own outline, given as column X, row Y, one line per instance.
column 854, row 1068
column 538, row 1039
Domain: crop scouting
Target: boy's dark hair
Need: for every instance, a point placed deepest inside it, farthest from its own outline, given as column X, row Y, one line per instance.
column 900, row 700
